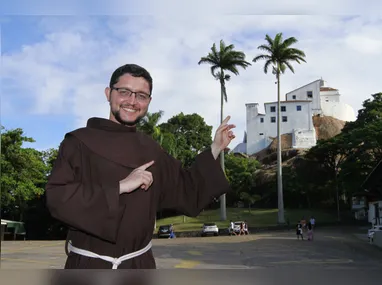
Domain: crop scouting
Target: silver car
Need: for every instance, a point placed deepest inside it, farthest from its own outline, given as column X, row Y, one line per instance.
column 210, row 229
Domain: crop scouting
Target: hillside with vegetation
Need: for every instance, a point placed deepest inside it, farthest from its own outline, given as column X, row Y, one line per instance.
column 326, row 127
column 344, row 155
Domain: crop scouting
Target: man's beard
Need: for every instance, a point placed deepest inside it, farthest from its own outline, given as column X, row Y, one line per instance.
column 117, row 116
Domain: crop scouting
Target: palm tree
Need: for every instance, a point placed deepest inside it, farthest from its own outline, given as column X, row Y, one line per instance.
column 279, row 54
column 223, row 60
column 149, row 124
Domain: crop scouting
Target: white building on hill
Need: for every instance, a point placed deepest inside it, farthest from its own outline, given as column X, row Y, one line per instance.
column 296, row 115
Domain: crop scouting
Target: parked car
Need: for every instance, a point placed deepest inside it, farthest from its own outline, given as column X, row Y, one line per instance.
column 210, row 229
column 164, row 231
column 370, row 232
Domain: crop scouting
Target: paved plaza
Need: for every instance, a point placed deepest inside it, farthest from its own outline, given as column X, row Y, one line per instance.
column 332, row 249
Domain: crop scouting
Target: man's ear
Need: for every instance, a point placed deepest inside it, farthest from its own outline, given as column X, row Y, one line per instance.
column 107, row 93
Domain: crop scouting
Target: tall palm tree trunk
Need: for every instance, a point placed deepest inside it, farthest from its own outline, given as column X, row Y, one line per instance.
column 281, row 219
column 223, row 214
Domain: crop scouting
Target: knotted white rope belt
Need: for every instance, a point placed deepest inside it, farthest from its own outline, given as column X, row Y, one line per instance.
column 115, row 261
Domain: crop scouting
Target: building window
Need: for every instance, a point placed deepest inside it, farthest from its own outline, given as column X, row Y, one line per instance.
column 298, row 107
column 261, row 134
column 285, row 119
column 273, row 109
column 261, row 120
column 273, row 119
column 283, row 108
column 294, row 97
column 309, row 94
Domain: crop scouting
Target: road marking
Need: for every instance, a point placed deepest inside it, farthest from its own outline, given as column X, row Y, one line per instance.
column 188, row 264
column 194, row 252
column 314, row 261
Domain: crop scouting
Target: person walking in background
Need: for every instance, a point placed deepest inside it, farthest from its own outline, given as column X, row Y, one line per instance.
column 172, row 233
column 303, row 223
column 299, row 232
column 242, row 229
column 246, row 228
column 312, row 221
column 310, row 231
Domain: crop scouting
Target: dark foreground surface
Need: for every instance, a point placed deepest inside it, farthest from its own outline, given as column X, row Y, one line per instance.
column 335, row 255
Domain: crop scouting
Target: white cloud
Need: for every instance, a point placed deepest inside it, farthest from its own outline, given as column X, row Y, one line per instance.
column 68, row 71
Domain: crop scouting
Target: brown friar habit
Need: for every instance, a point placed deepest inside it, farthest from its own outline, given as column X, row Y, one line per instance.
column 83, row 191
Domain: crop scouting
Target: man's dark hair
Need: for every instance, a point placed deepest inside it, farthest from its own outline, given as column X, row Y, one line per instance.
column 133, row 70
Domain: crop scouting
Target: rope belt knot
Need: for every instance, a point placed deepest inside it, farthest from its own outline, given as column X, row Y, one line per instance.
column 113, row 260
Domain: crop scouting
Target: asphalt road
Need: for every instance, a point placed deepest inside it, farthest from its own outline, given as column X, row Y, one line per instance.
column 335, row 252
column 332, row 249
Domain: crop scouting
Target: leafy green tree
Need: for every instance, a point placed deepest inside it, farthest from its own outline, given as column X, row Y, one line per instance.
column 23, row 173
column 249, row 199
column 224, row 60
column 240, row 174
column 150, row 126
column 366, row 130
column 190, row 135
column 364, row 137
column 279, row 55
column 332, row 153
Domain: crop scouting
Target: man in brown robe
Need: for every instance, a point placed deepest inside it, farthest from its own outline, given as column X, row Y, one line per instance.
column 109, row 180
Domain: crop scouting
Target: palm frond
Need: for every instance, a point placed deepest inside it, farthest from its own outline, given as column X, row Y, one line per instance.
column 208, row 60
column 265, row 48
column 269, row 40
column 266, row 66
column 287, row 63
column 282, row 67
column 278, row 40
column 213, row 69
column 296, row 52
column 288, row 42
column 279, row 53
column 262, row 56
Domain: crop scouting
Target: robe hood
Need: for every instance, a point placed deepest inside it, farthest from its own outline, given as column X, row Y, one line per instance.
column 118, row 143
column 109, row 125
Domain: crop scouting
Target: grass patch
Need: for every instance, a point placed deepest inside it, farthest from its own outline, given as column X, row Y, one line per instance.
column 255, row 218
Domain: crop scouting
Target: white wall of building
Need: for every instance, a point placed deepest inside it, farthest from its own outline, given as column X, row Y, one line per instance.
column 261, row 128
column 304, row 138
column 338, row 110
column 330, row 96
column 311, row 92
column 255, row 127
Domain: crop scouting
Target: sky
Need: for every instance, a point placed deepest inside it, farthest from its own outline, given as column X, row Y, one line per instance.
column 54, row 67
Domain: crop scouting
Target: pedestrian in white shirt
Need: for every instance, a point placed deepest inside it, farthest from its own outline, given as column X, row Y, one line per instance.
column 312, row 222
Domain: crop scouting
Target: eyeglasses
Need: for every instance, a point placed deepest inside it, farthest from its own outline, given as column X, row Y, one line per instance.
column 123, row 91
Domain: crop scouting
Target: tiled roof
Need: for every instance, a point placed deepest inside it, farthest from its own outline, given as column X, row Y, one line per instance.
column 328, row 89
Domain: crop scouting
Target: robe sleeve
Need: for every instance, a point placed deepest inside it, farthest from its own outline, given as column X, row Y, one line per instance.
column 191, row 190
column 77, row 202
